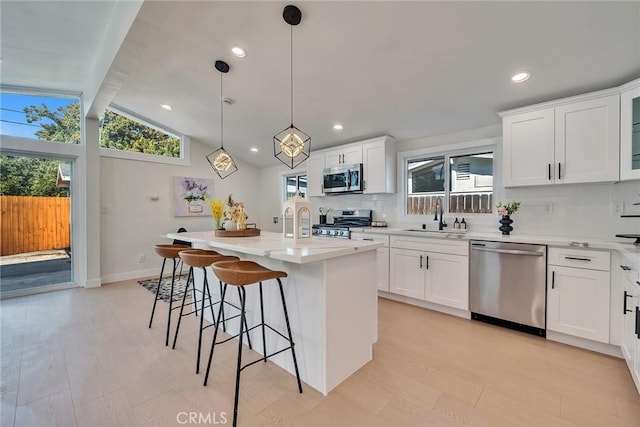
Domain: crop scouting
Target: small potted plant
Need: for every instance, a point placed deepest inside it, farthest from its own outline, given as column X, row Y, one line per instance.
column 505, row 211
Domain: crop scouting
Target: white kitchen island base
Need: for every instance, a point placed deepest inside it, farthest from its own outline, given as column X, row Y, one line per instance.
column 332, row 305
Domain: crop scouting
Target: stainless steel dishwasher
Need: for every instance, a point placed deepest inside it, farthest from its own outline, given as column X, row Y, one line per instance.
column 507, row 285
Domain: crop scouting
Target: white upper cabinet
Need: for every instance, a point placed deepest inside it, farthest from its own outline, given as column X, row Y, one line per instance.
column 630, row 131
column 379, row 158
column 573, row 140
column 315, row 166
column 345, row 155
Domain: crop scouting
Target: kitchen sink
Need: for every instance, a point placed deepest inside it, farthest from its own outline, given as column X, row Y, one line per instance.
column 426, row 231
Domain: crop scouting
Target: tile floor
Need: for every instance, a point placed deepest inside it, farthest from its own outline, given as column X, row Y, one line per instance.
column 86, row 358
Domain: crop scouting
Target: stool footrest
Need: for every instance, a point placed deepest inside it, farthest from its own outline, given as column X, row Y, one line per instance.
column 266, row 357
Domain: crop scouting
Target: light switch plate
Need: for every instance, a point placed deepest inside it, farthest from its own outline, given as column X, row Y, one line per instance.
column 548, row 207
column 617, row 207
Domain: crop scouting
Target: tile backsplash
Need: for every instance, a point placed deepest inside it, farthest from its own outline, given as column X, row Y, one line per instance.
column 576, row 210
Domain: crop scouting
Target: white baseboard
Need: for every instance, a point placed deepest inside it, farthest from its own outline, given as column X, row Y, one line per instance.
column 465, row 314
column 599, row 347
column 93, row 283
column 139, row 274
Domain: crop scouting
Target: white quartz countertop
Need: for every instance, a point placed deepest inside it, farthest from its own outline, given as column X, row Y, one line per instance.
column 276, row 246
column 623, row 245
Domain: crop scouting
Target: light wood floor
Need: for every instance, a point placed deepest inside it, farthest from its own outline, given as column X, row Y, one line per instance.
column 86, row 358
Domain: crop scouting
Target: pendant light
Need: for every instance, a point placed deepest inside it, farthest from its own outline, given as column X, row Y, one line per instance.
column 292, row 146
column 220, row 160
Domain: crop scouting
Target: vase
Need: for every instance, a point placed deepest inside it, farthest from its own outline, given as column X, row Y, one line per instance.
column 505, row 226
column 217, row 223
column 230, row 225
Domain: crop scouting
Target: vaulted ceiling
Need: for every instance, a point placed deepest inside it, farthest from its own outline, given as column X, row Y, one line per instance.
column 407, row 69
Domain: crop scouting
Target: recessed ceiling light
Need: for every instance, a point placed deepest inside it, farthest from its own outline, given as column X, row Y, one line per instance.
column 254, row 150
column 166, row 107
column 238, row 51
column 521, row 76
column 338, row 126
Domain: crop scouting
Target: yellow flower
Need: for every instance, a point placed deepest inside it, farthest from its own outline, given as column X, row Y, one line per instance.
column 217, row 207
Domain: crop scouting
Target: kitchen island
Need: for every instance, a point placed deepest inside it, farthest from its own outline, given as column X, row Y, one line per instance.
column 331, row 298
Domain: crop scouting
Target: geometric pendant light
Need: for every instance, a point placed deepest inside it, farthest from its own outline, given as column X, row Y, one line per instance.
column 292, row 146
column 220, row 160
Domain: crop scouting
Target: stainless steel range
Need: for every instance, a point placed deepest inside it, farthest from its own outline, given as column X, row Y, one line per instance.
column 343, row 221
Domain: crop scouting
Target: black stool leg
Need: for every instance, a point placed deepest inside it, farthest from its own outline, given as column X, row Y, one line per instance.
column 293, row 351
column 205, row 286
column 173, row 279
column 215, row 334
column 264, row 340
column 239, row 365
column 184, row 298
column 246, row 328
column 155, row 301
column 224, row 324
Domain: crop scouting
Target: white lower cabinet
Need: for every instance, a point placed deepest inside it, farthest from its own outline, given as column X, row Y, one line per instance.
column 382, row 257
column 631, row 320
column 577, row 294
column 418, row 270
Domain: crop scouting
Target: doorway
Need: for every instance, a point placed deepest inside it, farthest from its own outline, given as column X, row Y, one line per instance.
column 35, row 225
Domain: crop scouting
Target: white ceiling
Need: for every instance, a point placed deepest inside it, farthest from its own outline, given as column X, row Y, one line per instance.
column 407, row 69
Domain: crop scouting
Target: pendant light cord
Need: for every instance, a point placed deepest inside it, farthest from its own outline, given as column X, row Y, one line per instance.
column 221, row 114
column 291, row 59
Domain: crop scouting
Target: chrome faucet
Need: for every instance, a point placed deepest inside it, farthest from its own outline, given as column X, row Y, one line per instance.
column 441, row 224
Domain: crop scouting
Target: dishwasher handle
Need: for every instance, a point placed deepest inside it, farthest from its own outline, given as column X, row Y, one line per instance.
column 509, row 251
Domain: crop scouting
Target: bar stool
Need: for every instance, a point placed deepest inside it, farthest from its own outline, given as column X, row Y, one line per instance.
column 240, row 274
column 167, row 251
column 201, row 258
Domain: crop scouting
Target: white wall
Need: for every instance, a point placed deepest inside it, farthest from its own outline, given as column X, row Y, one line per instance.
column 133, row 223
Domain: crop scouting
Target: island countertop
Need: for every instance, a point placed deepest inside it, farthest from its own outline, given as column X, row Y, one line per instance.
column 276, row 246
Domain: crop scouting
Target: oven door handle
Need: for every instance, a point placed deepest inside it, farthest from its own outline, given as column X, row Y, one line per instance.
column 509, row 251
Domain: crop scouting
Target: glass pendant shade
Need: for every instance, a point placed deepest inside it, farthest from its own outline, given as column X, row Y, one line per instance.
column 292, row 146
column 222, row 163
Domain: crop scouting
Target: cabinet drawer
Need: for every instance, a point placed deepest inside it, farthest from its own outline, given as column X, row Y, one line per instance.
column 371, row 237
column 430, row 244
column 631, row 270
column 580, row 258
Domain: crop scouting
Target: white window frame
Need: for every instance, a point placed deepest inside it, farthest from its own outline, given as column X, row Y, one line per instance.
column 460, row 149
column 284, row 177
column 185, row 143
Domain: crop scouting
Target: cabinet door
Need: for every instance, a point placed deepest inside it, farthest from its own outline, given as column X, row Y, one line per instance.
column 352, row 155
column 406, row 276
column 315, row 165
column 447, row 280
column 382, row 269
column 332, row 158
column 629, row 337
column 578, row 302
column 587, row 141
column 528, row 141
column 377, row 179
column 630, row 133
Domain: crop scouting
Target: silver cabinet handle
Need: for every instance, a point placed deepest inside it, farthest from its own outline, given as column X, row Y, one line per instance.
column 509, row 251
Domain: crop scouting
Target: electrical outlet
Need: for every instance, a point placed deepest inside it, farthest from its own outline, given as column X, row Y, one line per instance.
column 104, row 210
column 617, row 207
column 548, row 207
column 141, row 258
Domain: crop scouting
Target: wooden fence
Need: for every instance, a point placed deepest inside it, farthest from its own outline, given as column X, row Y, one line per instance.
column 31, row 224
column 458, row 203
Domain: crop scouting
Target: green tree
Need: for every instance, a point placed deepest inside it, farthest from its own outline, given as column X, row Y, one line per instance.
column 29, row 176
column 122, row 133
column 65, row 126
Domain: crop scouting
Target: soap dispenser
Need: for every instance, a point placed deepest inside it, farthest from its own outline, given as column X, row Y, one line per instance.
column 463, row 225
column 456, row 224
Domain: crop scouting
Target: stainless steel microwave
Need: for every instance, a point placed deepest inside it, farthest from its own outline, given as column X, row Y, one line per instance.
column 343, row 179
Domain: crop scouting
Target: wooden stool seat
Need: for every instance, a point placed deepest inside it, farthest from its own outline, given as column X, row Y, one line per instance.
column 203, row 258
column 169, row 250
column 240, row 273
